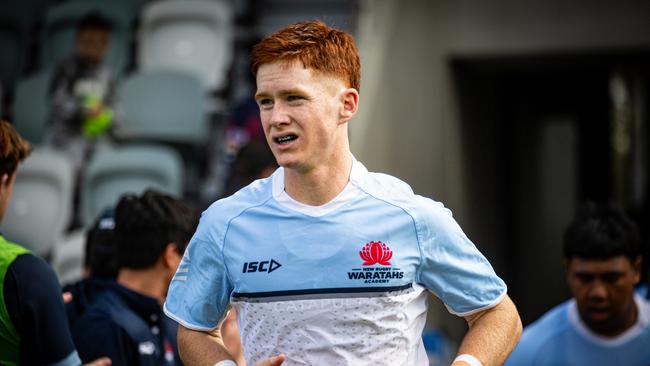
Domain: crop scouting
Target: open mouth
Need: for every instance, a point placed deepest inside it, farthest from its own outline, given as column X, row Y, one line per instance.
column 598, row 314
column 283, row 140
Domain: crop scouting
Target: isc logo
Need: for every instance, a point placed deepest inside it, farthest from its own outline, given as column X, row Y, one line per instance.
column 263, row 266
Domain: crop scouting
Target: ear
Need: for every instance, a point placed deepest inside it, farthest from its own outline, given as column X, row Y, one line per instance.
column 636, row 266
column 4, row 182
column 349, row 104
column 171, row 256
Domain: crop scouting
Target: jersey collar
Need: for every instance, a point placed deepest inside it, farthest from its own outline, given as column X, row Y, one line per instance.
column 643, row 320
column 350, row 191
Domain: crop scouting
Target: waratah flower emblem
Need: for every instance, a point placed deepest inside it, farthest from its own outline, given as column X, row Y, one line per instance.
column 376, row 252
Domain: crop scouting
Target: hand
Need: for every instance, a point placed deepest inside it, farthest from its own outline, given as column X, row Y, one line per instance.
column 94, row 111
column 273, row 361
column 104, row 361
column 67, row 297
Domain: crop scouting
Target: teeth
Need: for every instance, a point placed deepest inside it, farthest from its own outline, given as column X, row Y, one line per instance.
column 285, row 139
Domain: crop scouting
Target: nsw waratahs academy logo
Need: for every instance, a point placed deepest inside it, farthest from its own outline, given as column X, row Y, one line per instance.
column 376, row 252
column 376, row 265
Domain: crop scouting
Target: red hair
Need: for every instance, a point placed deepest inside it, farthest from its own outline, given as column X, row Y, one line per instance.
column 317, row 46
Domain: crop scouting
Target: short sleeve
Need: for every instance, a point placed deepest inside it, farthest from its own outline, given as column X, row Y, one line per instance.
column 452, row 267
column 35, row 304
column 199, row 293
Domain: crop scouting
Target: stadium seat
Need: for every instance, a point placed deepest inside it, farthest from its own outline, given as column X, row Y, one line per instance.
column 18, row 20
column 192, row 35
column 68, row 257
column 12, row 47
column 41, row 207
column 31, row 106
column 165, row 106
column 128, row 169
column 60, row 26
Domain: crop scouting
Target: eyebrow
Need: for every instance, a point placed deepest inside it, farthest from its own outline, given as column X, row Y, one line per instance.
column 283, row 92
column 599, row 274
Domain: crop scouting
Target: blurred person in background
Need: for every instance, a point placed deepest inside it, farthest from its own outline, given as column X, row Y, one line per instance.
column 254, row 161
column 100, row 267
column 126, row 321
column 325, row 262
column 605, row 323
column 81, row 92
column 33, row 325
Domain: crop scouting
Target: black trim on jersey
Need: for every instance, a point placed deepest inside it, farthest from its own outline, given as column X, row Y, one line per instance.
column 321, row 291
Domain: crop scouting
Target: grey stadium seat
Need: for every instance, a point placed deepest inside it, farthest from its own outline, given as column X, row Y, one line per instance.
column 162, row 105
column 192, row 35
column 57, row 39
column 128, row 169
column 31, row 106
column 41, row 207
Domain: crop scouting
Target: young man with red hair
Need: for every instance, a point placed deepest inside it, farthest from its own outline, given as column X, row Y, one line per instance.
column 325, row 262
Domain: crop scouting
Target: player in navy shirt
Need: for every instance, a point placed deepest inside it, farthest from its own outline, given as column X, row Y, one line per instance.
column 100, row 267
column 126, row 322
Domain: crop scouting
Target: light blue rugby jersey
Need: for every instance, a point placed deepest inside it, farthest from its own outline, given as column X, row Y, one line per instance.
column 561, row 338
column 338, row 284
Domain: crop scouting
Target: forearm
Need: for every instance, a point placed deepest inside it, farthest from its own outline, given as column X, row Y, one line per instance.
column 492, row 334
column 198, row 348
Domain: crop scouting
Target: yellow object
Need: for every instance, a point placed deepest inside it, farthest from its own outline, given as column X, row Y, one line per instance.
column 93, row 126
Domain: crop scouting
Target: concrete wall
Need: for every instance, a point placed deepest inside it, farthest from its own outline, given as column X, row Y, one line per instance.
column 409, row 123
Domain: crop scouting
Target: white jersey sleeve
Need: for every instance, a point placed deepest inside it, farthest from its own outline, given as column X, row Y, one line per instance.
column 452, row 267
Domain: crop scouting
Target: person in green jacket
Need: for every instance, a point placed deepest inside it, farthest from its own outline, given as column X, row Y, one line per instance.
column 33, row 325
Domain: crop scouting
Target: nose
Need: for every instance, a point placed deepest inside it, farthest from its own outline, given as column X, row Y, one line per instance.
column 279, row 115
column 597, row 291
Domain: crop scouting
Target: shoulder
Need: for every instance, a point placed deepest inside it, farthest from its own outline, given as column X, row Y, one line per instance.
column 543, row 333
column 386, row 187
column 32, row 265
column 106, row 307
column 254, row 194
column 215, row 219
column 34, row 276
column 424, row 211
column 65, row 69
column 399, row 193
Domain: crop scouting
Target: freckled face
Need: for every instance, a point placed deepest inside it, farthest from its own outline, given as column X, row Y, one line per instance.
column 300, row 113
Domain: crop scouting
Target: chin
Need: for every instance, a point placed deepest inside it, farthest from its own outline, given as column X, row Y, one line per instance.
column 287, row 162
column 290, row 165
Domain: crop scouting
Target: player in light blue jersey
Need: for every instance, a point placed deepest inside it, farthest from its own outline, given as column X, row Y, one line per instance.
column 605, row 323
column 325, row 262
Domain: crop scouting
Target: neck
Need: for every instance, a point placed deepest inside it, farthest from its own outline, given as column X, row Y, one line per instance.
column 148, row 282
column 320, row 184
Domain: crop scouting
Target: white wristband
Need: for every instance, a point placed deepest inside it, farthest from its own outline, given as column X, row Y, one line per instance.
column 471, row 360
column 226, row 363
